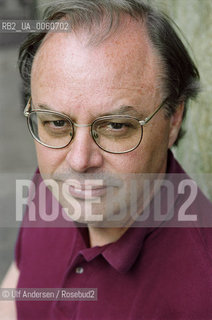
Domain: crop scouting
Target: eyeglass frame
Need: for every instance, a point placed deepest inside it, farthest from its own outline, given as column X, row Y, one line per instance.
column 142, row 123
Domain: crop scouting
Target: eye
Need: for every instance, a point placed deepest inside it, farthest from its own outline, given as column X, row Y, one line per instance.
column 56, row 123
column 119, row 128
column 116, row 125
column 53, row 124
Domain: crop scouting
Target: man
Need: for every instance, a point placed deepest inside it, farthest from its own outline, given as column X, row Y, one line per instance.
column 106, row 104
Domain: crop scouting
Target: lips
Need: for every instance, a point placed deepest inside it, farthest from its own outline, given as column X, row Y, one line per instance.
column 87, row 192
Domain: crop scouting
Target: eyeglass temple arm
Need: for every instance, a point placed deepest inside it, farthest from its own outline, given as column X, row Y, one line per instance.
column 27, row 108
column 146, row 120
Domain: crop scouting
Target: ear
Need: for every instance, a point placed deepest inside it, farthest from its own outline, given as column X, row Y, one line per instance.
column 175, row 124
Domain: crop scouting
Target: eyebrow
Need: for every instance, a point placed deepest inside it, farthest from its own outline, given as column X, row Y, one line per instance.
column 42, row 106
column 126, row 110
column 123, row 110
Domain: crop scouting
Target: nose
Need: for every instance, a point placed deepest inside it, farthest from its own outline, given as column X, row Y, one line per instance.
column 83, row 154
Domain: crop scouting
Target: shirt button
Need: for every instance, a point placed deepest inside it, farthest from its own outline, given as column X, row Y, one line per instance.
column 79, row 270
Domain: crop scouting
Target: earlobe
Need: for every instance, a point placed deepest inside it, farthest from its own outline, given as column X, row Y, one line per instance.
column 175, row 124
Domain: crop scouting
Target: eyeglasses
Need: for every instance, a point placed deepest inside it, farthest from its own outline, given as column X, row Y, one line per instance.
column 114, row 134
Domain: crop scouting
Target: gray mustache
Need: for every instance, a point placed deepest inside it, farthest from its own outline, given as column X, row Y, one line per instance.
column 107, row 179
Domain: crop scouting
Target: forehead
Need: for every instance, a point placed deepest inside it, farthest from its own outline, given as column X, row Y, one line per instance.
column 125, row 62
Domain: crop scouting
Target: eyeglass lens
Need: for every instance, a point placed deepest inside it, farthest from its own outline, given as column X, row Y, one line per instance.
column 113, row 134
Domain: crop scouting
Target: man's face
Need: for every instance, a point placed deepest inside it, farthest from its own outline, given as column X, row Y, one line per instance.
column 86, row 82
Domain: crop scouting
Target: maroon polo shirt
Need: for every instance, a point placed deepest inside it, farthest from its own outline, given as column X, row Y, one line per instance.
column 150, row 273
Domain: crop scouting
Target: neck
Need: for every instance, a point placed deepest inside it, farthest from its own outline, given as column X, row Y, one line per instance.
column 103, row 236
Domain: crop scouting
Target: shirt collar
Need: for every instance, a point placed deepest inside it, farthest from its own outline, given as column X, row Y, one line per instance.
column 122, row 254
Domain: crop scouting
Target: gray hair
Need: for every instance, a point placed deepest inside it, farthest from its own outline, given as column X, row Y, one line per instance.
column 181, row 77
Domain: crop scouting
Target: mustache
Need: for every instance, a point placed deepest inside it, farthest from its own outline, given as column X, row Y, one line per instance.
column 107, row 179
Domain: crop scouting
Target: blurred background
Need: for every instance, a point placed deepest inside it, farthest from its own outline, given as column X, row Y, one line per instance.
column 16, row 146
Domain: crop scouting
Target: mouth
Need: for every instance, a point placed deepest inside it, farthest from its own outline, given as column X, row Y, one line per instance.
column 87, row 192
column 88, row 187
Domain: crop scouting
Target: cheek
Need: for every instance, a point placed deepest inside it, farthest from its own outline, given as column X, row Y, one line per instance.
column 150, row 156
column 48, row 159
column 155, row 146
column 124, row 163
